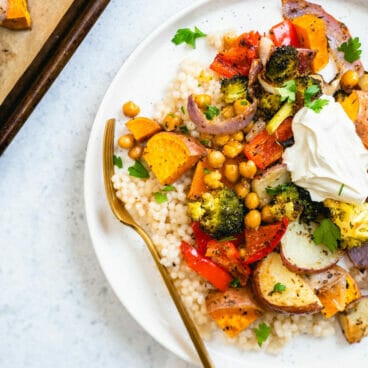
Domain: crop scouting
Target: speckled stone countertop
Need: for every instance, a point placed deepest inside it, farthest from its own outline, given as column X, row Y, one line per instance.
column 56, row 307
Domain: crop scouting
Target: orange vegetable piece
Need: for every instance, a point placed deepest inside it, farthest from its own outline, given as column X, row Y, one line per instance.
column 352, row 290
column 170, row 155
column 311, row 32
column 142, row 128
column 198, row 186
column 17, row 15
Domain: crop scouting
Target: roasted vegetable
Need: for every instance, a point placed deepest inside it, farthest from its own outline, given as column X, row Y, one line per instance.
column 17, row 15
column 282, row 65
column 170, row 155
column 297, row 296
column 292, row 201
column 234, row 88
column 311, row 32
column 268, row 104
column 234, row 310
column 359, row 256
column 302, row 84
column 354, row 320
column 284, row 112
column 352, row 219
column 300, row 254
column 142, row 128
column 219, row 212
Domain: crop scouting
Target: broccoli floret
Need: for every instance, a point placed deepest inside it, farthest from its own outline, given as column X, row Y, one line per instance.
column 282, row 65
column 302, row 84
column 352, row 219
column 294, row 202
column 219, row 212
column 268, row 105
column 234, row 88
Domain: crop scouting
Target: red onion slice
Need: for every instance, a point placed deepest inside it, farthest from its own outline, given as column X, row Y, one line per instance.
column 218, row 126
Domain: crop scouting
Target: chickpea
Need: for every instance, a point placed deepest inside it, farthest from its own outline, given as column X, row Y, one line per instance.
column 240, row 106
column 135, row 152
column 242, row 252
column 349, row 79
column 216, row 159
column 252, row 200
column 252, row 219
column 231, row 172
column 228, row 112
column 267, row 215
column 363, row 82
column 248, row 128
column 232, row 149
column 247, row 169
column 131, row 109
column 203, row 100
column 238, row 136
column 213, row 180
column 221, row 140
column 242, row 189
column 172, row 121
column 126, row 141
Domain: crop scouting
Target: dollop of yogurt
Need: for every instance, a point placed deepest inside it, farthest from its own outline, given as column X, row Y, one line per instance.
column 328, row 158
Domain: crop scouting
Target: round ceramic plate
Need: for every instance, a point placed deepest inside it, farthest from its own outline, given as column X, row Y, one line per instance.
column 122, row 254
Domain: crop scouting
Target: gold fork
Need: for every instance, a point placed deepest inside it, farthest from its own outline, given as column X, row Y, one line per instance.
column 124, row 217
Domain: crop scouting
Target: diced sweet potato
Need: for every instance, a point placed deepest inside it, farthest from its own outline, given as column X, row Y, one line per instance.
column 170, row 155
column 233, row 310
column 198, row 186
column 142, row 128
column 17, row 15
column 311, row 32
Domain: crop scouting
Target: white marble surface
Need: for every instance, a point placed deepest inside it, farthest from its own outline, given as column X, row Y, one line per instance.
column 56, row 307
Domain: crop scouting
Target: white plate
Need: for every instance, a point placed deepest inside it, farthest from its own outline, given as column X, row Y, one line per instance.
column 122, row 254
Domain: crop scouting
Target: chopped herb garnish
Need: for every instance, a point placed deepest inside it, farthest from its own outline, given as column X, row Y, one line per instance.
column 138, row 170
column 315, row 105
column 211, row 111
column 341, row 189
column 184, row 129
column 327, row 233
column 160, row 197
column 186, row 35
column 279, row 288
column 205, row 142
column 182, row 109
column 235, row 283
column 351, row 49
column 171, row 114
column 118, row 162
column 244, row 102
column 288, row 91
column 206, row 171
column 262, row 333
column 168, row 188
column 276, row 190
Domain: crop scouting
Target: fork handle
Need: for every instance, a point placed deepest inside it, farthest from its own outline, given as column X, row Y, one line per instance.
column 187, row 320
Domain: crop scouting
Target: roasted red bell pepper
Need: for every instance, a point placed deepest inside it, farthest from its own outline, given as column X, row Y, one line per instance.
column 226, row 255
column 236, row 60
column 284, row 34
column 201, row 238
column 259, row 242
column 284, row 132
column 209, row 270
column 263, row 149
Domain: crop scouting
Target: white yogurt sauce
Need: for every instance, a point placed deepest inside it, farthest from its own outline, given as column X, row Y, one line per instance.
column 328, row 158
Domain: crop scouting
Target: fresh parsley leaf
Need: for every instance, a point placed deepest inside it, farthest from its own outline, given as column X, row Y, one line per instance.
column 186, row 35
column 262, row 333
column 327, row 233
column 351, row 49
column 205, row 142
column 211, row 111
column 341, row 189
column 138, row 170
column 276, row 190
column 227, row 238
column 117, row 161
column 235, row 283
column 316, row 105
column 244, row 102
column 168, row 188
column 184, row 129
column 206, row 171
column 288, row 91
column 160, row 197
column 279, row 288
column 182, row 109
